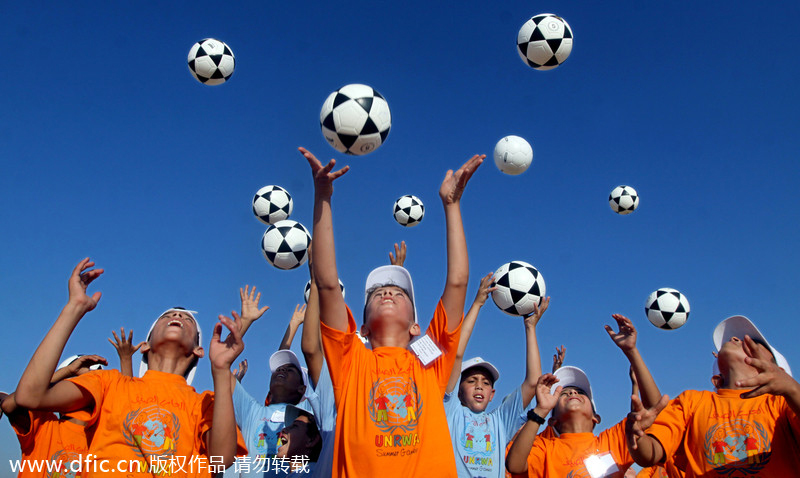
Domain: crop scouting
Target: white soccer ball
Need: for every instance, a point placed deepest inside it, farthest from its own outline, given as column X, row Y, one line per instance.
column 513, row 155
column 211, row 61
column 272, row 204
column 667, row 308
column 623, row 200
column 285, row 244
column 519, row 287
column 544, row 41
column 307, row 290
column 355, row 119
column 408, row 210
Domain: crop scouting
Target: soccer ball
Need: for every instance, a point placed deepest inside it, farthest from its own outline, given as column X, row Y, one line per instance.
column 513, row 155
column 623, row 200
column 519, row 287
column 211, row 61
column 544, row 41
column 285, row 244
column 355, row 119
column 272, row 204
column 667, row 308
column 408, row 210
column 307, row 289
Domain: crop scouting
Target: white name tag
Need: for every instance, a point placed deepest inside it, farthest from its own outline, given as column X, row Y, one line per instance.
column 426, row 349
column 277, row 416
column 601, row 465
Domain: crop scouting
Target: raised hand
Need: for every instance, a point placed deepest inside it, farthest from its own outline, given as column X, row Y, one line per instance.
column 82, row 275
column 626, row 337
column 250, row 299
column 239, row 372
column 82, row 364
column 223, row 353
column 771, row 378
column 399, row 256
column 544, row 399
column 558, row 358
column 640, row 418
column 454, row 183
column 299, row 315
column 538, row 310
column 323, row 175
column 124, row 345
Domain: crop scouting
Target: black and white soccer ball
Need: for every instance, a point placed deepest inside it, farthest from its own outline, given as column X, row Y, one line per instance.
column 544, row 41
column 513, row 155
column 211, row 61
column 307, row 290
column 408, row 210
column 355, row 119
column 285, row 244
column 272, row 204
column 623, row 200
column 667, row 308
column 519, row 287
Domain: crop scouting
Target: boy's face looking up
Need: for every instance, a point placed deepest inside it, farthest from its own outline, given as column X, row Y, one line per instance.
column 574, row 405
column 175, row 326
column 389, row 310
column 286, row 385
column 298, row 439
column 476, row 389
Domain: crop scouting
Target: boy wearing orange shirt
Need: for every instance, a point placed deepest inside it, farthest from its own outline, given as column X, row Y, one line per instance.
column 388, row 442
column 146, row 426
column 747, row 427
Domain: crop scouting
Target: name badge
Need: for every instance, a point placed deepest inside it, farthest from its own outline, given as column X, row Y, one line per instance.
column 426, row 349
column 601, row 465
column 277, row 416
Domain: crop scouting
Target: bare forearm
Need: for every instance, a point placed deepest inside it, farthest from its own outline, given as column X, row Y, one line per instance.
column 455, row 290
column 533, row 364
column 517, row 458
column 466, row 332
column 126, row 366
column 222, row 436
column 648, row 389
column 288, row 336
column 311, row 338
column 648, row 451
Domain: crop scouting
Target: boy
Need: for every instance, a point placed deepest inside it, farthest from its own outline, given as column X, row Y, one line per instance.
column 299, row 441
column 149, row 425
column 747, row 427
column 390, row 415
column 479, row 439
column 574, row 450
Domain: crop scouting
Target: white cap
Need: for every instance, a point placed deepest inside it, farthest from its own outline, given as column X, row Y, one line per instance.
column 569, row 376
column 189, row 375
column 282, row 357
column 479, row 362
column 291, row 412
column 73, row 358
column 738, row 326
column 391, row 275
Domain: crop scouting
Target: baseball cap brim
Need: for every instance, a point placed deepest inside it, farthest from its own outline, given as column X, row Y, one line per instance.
column 569, row 376
column 738, row 326
column 477, row 362
column 282, row 357
column 391, row 275
column 189, row 375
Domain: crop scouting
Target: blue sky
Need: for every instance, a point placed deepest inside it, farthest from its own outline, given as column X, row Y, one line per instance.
column 110, row 149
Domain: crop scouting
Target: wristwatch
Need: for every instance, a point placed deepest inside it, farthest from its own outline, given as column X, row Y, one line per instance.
column 534, row 417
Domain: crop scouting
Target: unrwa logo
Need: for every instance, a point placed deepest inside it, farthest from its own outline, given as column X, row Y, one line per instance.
column 395, row 404
column 152, row 431
column 738, row 445
column 65, row 466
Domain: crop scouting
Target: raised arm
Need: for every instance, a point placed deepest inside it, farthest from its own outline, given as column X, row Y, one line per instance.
column 771, row 378
column 295, row 321
column 125, row 350
column 533, row 360
column 625, row 339
column 250, row 310
column 455, row 289
column 311, row 338
column 221, row 438
column 34, row 390
column 484, row 289
column 558, row 358
column 399, row 256
column 645, row 449
column 331, row 303
column 517, row 457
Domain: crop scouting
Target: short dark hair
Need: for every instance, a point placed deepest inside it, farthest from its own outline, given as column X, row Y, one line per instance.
column 478, row 368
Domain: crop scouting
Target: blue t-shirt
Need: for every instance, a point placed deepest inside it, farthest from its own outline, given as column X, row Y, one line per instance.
column 324, row 408
column 260, row 426
column 480, row 439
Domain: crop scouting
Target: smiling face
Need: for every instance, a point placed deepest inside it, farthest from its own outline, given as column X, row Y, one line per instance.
column 301, row 438
column 286, row 385
column 575, row 406
column 476, row 389
column 175, row 325
column 389, row 308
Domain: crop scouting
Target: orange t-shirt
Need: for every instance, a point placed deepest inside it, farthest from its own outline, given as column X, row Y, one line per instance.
column 667, row 470
column 723, row 435
column 569, row 454
column 391, row 420
column 157, row 419
column 49, row 439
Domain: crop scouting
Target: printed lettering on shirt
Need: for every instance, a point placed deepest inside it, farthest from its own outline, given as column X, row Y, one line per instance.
column 740, row 445
column 395, row 407
column 152, row 431
column 477, row 442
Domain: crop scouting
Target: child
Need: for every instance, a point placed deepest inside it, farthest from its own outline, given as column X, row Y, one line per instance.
column 391, row 419
column 142, row 424
column 479, row 439
column 125, row 350
column 299, row 441
column 44, row 437
column 575, row 450
column 747, row 427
